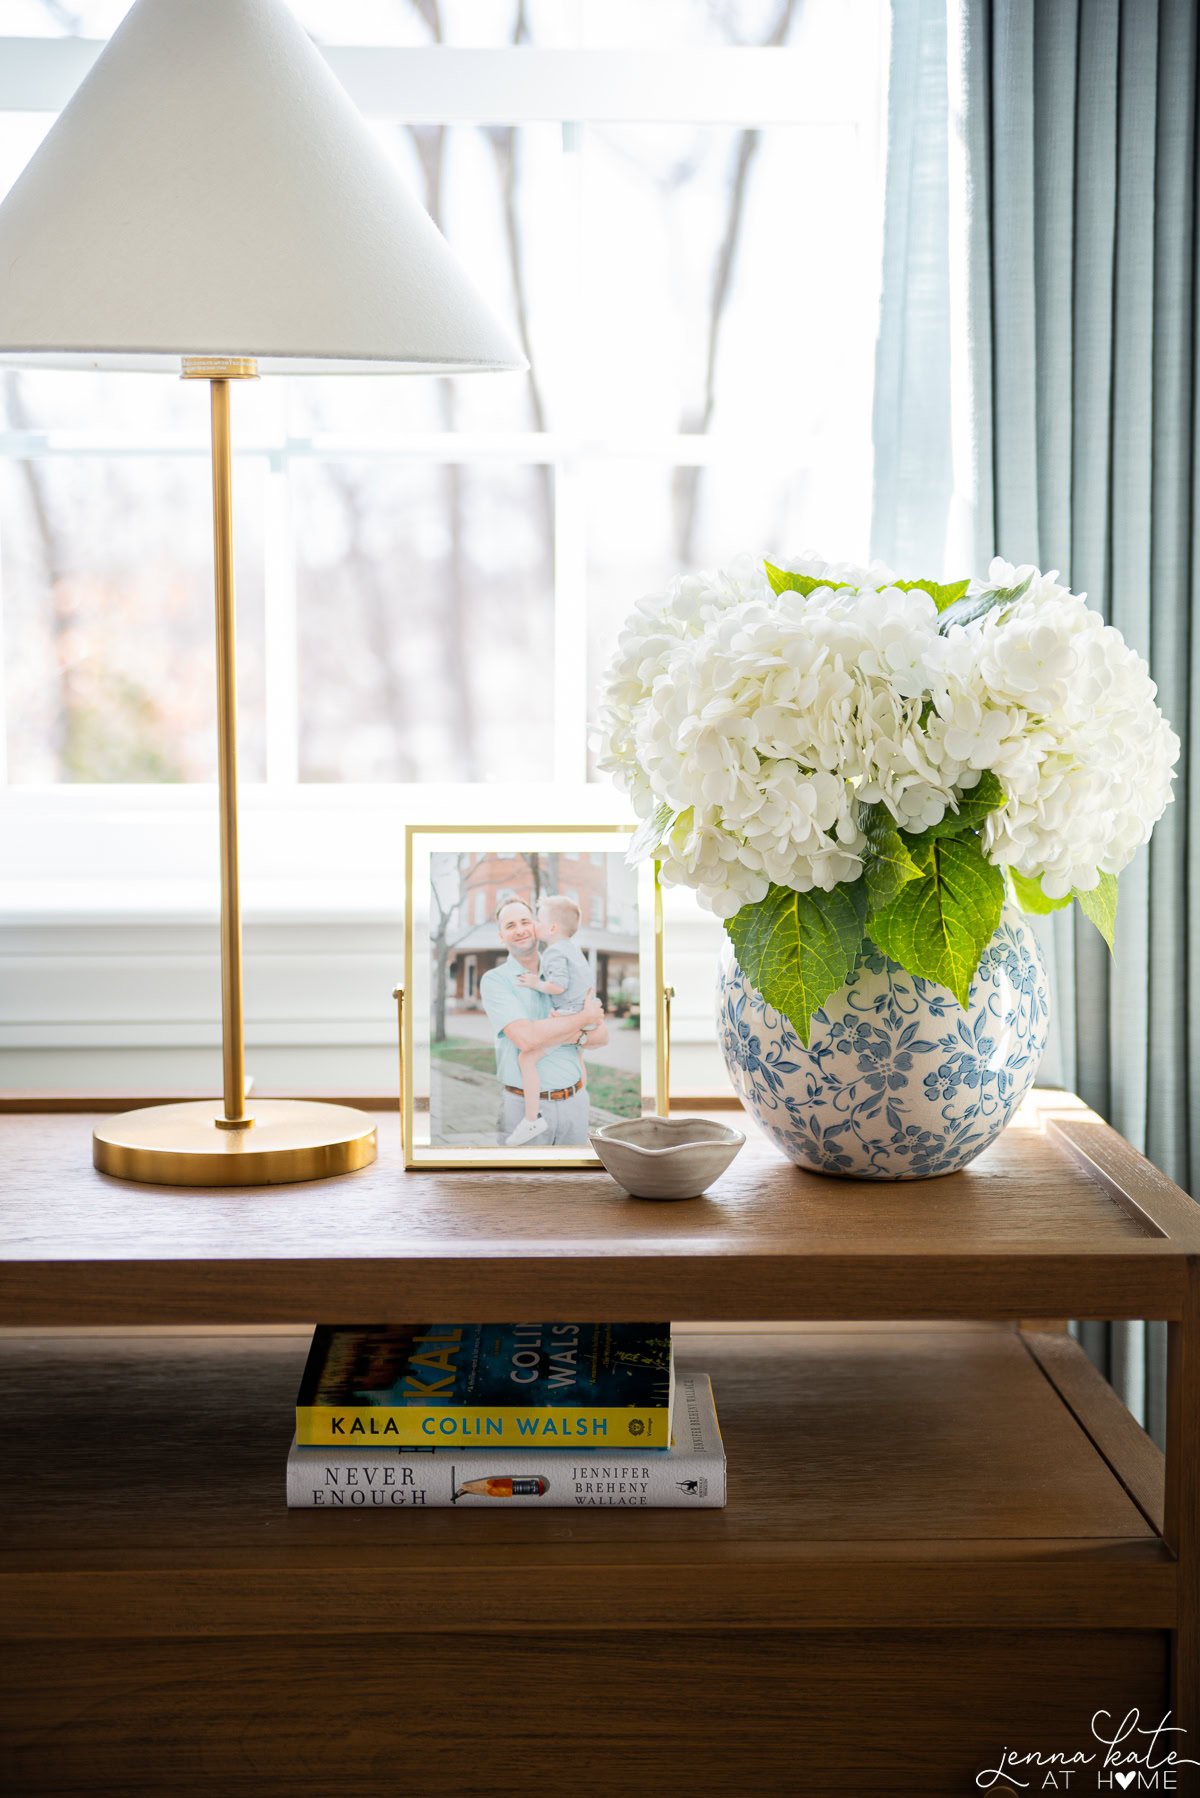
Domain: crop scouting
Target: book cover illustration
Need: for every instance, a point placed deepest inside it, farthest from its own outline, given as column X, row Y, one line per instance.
column 515, row 1385
column 689, row 1474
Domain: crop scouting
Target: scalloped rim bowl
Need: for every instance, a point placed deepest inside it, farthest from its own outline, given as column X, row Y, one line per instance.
column 666, row 1158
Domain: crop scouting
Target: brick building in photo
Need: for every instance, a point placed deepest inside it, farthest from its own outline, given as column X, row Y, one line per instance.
column 470, row 892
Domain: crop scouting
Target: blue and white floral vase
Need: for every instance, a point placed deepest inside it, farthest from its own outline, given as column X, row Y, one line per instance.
column 897, row 1081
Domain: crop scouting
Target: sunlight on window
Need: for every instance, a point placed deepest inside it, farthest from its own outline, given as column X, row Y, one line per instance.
column 424, row 564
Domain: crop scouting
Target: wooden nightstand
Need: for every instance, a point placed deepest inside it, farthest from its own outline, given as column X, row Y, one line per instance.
column 945, row 1534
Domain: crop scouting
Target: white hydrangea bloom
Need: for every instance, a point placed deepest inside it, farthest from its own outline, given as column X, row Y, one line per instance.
column 651, row 633
column 852, row 574
column 1105, row 755
column 764, row 723
column 1008, row 575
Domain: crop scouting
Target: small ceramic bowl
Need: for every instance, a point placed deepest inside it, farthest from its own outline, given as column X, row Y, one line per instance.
column 666, row 1158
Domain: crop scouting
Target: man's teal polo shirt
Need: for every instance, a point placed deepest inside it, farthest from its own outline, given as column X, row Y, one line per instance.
column 505, row 1002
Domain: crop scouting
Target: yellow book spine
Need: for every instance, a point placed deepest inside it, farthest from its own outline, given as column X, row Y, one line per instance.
column 475, row 1426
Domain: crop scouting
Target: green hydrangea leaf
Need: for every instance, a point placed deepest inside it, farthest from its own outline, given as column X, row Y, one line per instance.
column 973, row 606
column 650, row 833
column 938, row 925
column 943, row 594
column 1030, row 897
column 973, row 808
column 888, row 864
column 798, row 948
column 1100, row 906
column 804, row 584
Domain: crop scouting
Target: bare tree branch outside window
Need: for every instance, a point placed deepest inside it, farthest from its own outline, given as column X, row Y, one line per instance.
column 67, row 21
column 62, row 612
column 453, row 608
column 503, row 139
column 377, row 611
column 687, row 481
column 104, row 723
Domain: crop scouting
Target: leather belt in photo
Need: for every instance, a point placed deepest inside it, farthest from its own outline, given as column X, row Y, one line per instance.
column 560, row 1092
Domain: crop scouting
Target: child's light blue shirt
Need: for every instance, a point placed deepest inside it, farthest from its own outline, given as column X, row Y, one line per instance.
column 566, row 965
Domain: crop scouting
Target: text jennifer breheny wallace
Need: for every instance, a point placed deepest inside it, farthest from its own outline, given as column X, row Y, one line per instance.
column 1128, row 1758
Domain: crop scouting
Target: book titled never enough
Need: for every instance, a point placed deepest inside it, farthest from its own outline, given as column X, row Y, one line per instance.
column 475, row 1385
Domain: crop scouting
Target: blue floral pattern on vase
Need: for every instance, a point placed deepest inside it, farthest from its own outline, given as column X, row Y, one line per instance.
column 897, row 1082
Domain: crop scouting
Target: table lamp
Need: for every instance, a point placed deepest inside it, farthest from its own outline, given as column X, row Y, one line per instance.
column 211, row 201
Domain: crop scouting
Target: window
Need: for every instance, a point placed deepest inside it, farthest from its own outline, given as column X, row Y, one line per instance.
column 599, row 919
column 678, row 208
column 424, row 563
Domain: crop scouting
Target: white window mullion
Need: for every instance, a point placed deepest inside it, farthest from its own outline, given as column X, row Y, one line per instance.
column 446, row 84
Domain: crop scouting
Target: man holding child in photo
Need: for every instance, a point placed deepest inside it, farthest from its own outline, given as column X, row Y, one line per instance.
column 542, row 1010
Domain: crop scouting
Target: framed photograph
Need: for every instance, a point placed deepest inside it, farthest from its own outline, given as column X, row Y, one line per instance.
column 533, row 1005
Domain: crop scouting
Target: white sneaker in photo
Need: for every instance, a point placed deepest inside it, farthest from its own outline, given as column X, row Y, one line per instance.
column 526, row 1130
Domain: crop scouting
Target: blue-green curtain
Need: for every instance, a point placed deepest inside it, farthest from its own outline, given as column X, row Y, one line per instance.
column 1079, row 132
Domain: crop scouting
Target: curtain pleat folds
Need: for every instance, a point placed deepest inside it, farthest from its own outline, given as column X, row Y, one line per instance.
column 1079, row 127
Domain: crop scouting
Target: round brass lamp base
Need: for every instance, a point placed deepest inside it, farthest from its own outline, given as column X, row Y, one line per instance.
column 182, row 1145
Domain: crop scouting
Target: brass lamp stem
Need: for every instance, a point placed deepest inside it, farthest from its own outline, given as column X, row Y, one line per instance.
column 219, row 371
column 232, row 1035
column 293, row 1139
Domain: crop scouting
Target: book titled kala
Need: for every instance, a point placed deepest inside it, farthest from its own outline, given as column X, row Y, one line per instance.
column 691, row 1473
column 487, row 1385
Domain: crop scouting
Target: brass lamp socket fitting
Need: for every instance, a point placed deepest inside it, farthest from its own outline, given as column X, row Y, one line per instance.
column 219, row 368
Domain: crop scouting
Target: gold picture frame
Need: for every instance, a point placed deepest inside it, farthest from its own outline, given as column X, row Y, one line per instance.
column 423, row 1074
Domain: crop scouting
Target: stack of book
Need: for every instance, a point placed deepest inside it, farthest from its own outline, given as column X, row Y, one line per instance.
column 527, row 1414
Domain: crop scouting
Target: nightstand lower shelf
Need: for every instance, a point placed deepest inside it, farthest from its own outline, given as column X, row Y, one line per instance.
column 948, row 1521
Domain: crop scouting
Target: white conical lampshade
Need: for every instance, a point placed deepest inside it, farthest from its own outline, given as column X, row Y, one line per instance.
column 211, row 190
